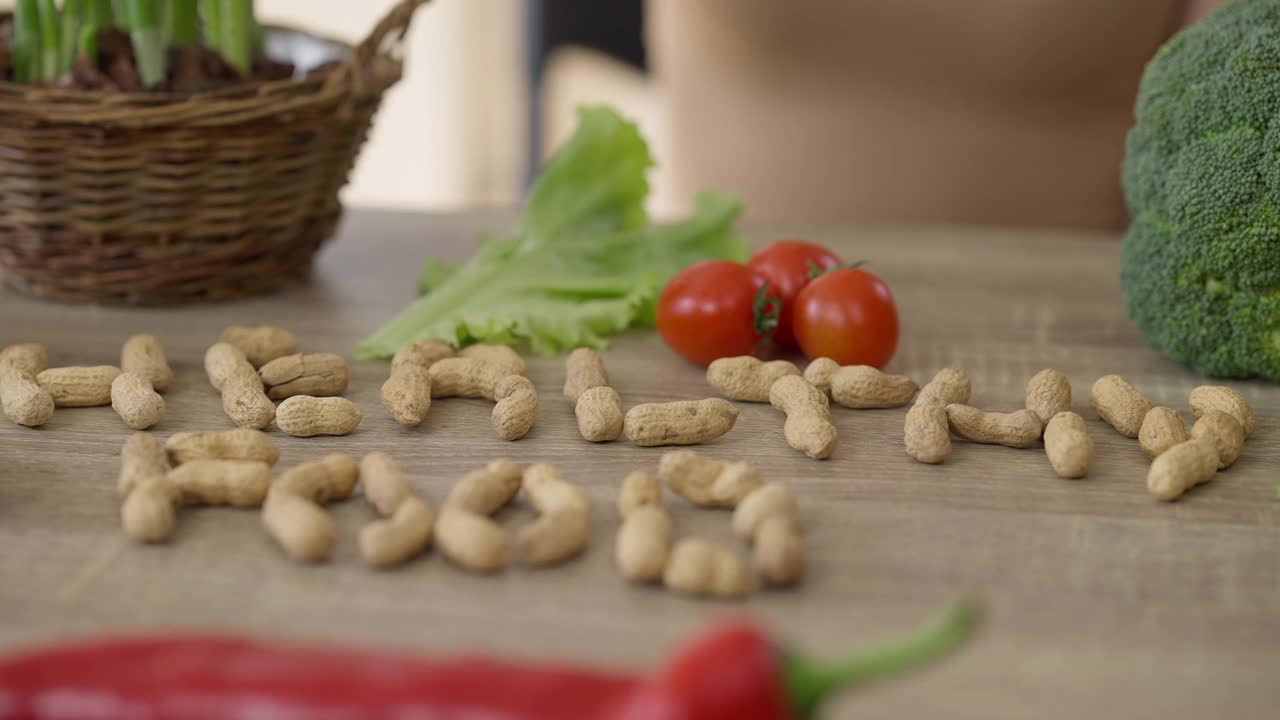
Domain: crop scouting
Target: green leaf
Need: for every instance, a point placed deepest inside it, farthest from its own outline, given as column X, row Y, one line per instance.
column 120, row 9
column 89, row 44
column 434, row 274
column 49, row 42
column 583, row 262
column 570, row 291
column 708, row 234
column 236, row 39
column 181, row 22
column 99, row 14
column 211, row 16
column 149, row 47
column 594, row 184
column 26, row 42
column 69, row 34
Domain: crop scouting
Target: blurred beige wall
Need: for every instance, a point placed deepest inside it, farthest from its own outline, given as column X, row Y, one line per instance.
column 451, row 134
column 580, row 76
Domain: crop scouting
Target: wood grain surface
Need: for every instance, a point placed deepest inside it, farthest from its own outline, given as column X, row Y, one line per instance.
column 1100, row 601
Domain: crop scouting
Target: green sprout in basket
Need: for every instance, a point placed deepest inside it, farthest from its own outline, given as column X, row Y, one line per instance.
column 47, row 40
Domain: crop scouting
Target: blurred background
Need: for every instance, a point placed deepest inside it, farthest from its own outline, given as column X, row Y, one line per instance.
column 489, row 85
column 817, row 111
column 982, row 112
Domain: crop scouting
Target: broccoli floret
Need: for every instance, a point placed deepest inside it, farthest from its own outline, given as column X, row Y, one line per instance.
column 1200, row 264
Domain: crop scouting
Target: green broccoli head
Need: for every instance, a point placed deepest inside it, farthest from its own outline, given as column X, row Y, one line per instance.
column 1200, row 264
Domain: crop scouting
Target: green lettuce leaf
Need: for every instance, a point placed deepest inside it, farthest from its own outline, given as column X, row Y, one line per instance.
column 583, row 263
column 434, row 274
column 557, row 296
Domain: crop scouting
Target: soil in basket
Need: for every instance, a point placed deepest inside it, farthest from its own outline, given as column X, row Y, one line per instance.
column 191, row 70
column 6, row 37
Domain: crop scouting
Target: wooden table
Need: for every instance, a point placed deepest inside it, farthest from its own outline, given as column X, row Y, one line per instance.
column 1100, row 600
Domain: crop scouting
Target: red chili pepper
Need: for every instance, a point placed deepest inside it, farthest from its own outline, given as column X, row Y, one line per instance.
column 730, row 672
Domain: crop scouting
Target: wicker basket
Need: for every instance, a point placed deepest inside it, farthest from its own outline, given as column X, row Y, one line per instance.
column 157, row 199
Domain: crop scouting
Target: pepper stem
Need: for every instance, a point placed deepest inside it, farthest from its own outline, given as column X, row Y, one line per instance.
column 808, row 682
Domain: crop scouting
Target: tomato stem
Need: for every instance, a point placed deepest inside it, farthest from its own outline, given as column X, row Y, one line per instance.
column 765, row 311
column 816, row 271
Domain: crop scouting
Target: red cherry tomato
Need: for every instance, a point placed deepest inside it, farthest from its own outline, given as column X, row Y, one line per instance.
column 849, row 316
column 789, row 265
column 717, row 309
